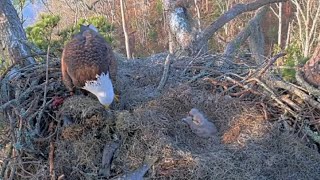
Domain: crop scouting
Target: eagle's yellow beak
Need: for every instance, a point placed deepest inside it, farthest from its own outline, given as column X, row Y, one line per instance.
column 106, row 107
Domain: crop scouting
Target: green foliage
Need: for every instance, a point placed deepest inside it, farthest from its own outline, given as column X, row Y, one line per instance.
column 19, row 3
column 293, row 53
column 159, row 7
column 152, row 34
column 40, row 33
column 100, row 22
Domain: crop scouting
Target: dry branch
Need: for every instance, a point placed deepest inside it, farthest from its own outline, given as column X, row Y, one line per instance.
column 6, row 161
column 51, row 155
column 272, row 61
column 107, row 156
column 247, row 88
column 230, row 15
column 312, row 90
column 232, row 46
column 273, row 96
column 165, row 73
column 284, row 85
column 287, row 100
column 22, row 97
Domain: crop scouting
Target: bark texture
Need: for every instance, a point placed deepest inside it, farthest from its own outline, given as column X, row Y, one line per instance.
column 13, row 36
column 180, row 24
column 254, row 33
column 312, row 68
column 226, row 17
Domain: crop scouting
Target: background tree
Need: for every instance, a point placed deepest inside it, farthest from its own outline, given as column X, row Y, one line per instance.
column 307, row 20
column 13, row 36
column 124, row 26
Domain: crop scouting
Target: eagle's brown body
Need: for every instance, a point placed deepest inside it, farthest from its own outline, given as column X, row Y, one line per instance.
column 86, row 55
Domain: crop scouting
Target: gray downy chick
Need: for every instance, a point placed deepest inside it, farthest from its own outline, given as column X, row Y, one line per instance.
column 199, row 124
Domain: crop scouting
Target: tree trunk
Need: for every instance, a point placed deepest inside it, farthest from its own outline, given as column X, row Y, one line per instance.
column 280, row 24
column 180, row 25
column 126, row 38
column 13, row 36
column 312, row 68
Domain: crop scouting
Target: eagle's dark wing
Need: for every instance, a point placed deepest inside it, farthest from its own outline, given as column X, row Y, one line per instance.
column 85, row 56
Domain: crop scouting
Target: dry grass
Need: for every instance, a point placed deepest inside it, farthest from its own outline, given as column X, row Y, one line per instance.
column 249, row 145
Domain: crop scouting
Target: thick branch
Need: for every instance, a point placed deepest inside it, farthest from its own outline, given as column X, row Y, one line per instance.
column 312, row 90
column 284, row 85
column 165, row 73
column 233, row 45
column 231, row 14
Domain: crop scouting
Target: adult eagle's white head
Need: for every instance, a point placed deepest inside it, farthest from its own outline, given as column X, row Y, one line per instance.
column 88, row 62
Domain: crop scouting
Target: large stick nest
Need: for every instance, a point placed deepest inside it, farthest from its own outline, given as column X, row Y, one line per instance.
column 41, row 141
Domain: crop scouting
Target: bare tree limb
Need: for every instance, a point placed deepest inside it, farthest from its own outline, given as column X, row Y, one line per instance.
column 284, row 85
column 165, row 73
column 228, row 16
column 312, row 90
column 233, row 45
column 273, row 96
column 273, row 60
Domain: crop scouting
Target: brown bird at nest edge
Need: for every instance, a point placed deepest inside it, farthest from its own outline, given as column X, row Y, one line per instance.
column 88, row 63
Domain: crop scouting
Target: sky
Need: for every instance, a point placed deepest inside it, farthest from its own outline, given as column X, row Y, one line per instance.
column 30, row 12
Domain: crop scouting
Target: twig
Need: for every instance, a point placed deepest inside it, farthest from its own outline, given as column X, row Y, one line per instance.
column 22, row 97
column 274, row 97
column 13, row 168
column 6, row 161
column 294, row 90
column 199, row 67
column 7, row 70
column 290, row 103
column 264, row 109
column 45, row 91
column 51, row 156
column 185, row 70
column 272, row 61
column 165, row 73
column 242, row 85
column 107, row 156
column 217, row 82
column 61, row 177
column 202, row 72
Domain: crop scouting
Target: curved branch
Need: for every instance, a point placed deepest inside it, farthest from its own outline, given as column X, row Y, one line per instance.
column 231, row 14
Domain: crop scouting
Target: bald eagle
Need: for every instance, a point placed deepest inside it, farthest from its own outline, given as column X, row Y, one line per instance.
column 88, row 63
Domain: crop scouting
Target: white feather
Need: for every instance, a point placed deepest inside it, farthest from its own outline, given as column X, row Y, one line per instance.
column 102, row 88
column 92, row 27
